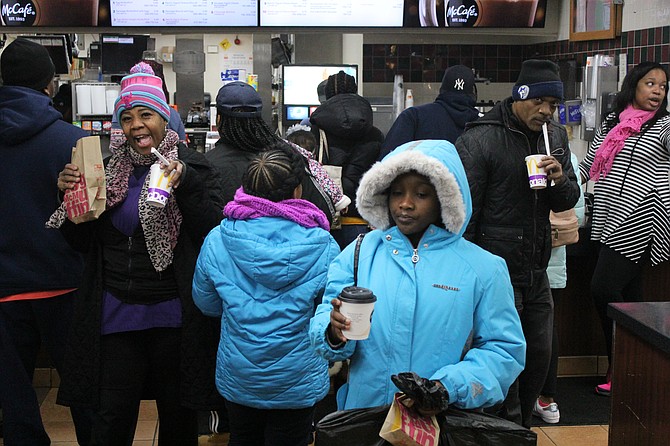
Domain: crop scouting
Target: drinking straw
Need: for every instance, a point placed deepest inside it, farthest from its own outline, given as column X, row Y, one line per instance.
column 546, row 138
column 161, row 158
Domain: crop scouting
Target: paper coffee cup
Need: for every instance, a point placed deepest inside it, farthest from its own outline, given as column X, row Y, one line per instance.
column 537, row 176
column 158, row 191
column 357, row 306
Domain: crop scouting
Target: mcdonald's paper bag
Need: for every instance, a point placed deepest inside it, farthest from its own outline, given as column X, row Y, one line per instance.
column 404, row 427
column 88, row 198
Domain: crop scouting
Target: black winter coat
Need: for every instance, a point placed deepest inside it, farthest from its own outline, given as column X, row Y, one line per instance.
column 353, row 142
column 198, row 198
column 231, row 163
column 509, row 218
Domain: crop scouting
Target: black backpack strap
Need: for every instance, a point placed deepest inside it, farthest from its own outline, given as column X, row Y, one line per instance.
column 357, row 252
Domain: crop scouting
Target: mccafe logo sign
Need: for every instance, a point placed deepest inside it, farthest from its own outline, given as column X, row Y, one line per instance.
column 462, row 13
column 18, row 12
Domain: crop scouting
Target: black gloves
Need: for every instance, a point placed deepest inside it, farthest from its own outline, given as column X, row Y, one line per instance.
column 427, row 395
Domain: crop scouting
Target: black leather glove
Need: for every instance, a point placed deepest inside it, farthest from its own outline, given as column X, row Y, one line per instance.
column 429, row 396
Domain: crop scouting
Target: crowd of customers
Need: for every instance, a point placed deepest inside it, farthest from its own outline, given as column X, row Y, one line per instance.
column 227, row 298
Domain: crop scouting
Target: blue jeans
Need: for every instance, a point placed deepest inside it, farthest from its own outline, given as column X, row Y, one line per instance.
column 24, row 326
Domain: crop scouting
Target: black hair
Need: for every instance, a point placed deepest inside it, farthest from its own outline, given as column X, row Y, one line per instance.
column 304, row 139
column 627, row 94
column 248, row 134
column 274, row 173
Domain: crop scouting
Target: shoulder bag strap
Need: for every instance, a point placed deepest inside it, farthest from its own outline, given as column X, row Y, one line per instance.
column 323, row 146
column 357, row 252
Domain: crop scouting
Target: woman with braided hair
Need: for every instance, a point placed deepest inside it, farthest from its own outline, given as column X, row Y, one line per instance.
column 261, row 271
column 243, row 134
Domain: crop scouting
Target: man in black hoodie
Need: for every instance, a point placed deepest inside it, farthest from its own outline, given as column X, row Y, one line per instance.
column 445, row 118
column 39, row 272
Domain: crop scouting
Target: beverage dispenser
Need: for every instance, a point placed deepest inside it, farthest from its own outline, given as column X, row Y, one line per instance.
column 599, row 80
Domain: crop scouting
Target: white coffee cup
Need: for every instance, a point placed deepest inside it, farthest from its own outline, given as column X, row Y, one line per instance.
column 158, row 191
column 537, row 176
column 357, row 305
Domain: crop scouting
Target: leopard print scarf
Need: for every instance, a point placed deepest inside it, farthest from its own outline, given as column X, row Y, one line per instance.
column 160, row 225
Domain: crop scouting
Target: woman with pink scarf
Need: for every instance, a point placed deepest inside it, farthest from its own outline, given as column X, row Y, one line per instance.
column 629, row 160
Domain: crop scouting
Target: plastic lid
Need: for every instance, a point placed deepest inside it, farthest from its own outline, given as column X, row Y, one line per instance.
column 355, row 294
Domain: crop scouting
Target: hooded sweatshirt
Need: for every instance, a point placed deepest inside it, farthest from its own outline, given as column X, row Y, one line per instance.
column 262, row 276
column 443, row 119
column 35, row 145
column 444, row 310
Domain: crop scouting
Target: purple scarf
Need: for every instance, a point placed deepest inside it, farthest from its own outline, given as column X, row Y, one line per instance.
column 630, row 123
column 246, row 206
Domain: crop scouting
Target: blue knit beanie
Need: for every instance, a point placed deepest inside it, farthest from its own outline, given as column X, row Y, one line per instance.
column 538, row 78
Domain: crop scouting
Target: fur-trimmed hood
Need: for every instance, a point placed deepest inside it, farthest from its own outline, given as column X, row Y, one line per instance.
column 437, row 160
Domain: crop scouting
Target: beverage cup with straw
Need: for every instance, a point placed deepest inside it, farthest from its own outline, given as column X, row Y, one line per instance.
column 158, row 191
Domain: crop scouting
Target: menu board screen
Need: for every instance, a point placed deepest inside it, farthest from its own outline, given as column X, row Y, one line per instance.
column 184, row 12
column 342, row 13
column 275, row 13
column 475, row 13
column 49, row 12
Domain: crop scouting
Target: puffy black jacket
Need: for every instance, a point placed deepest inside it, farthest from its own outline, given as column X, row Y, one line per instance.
column 509, row 218
column 353, row 142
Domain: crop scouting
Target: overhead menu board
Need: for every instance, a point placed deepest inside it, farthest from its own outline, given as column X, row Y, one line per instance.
column 275, row 13
column 184, row 12
column 342, row 13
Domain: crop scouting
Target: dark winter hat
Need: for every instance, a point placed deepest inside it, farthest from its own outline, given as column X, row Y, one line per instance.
column 239, row 99
column 458, row 79
column 25, row 63
column 538, row 78
column 321, row 91
column 340, row 83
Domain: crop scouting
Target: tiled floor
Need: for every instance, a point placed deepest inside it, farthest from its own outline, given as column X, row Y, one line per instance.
column 58, row 424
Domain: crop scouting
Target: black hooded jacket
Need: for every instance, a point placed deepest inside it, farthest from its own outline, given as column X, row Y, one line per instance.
column 443, row 119
column 509, row 218
column 353, row 142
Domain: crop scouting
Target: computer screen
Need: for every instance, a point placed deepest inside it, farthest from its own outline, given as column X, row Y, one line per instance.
column 58, row 47
column 297, row 112
column 299, row 82
column 119, row 52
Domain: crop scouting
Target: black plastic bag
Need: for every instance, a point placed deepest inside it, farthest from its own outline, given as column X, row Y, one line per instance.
column 473, row 428
column 360, row 427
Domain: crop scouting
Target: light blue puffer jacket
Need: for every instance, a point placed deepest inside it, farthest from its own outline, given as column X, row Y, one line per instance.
column 557, row 270
column 449, row 316
column 262, row 277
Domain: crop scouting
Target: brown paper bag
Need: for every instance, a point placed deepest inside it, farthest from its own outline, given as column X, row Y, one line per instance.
column 404, row 427
column 88, row 198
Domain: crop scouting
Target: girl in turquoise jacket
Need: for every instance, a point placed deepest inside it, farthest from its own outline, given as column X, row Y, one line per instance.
column 445, row 307
column 261, row 271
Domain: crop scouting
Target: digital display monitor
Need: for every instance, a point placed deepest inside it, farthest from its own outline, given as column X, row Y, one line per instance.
column 118, row 52
column 299, row 82
column 475, row 14
column 58, row 47
column 184, row 13
column 30, row 13
column 319, row 13
column 275, row 13
column 297, row 112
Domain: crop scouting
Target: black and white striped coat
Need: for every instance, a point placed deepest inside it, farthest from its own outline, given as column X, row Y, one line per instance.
column 632, row 203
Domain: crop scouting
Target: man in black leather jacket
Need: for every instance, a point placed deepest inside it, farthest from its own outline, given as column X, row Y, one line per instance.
column 511, row 220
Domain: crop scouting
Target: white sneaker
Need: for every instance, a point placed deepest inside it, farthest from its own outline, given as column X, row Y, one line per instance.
column 549, row 413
